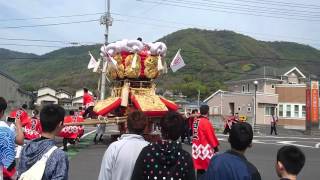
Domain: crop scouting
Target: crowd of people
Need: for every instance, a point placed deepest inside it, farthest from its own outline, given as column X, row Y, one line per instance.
column 131, row 156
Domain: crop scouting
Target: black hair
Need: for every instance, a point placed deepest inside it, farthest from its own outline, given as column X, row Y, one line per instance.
column 204, row 109
column 171, row 126
column 137, row 122
column 24, row 106
column 240, row 136
column 292, row 158
column 139, row 39
column 71, row 112
column 50, row 117
column 194, row 111
column 80, row 108
column 35, row 112
column 85, row 90
column 3, row 105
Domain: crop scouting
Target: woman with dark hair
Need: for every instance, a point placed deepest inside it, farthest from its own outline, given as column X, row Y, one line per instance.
column 165, row 159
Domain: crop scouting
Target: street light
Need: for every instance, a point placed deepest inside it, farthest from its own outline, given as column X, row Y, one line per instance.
column 255, row 103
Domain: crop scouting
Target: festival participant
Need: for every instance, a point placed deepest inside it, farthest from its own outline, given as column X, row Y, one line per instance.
column 8, row 138
column 290, row 161
column 273, row 124
column 88, row 103
column 32, row 130
column 191, row 118
column 230, row 121
column 71, row 133
column 232, row 164
column 165, row 159
column 57, row 165
column 120, row 157
column 20, row 113
column 204, row 141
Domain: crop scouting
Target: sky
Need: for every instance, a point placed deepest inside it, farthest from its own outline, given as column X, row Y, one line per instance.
column 268, row 20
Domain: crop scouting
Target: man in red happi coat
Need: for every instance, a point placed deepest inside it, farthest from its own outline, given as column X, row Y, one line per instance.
column 204, row 141
column 33, row 129
column 21, row 114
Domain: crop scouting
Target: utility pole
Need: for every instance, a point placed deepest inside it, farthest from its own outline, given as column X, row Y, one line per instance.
column 107, row 21
column 199, row 98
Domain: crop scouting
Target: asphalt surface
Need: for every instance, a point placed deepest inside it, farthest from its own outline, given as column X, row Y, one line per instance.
column 85, row 164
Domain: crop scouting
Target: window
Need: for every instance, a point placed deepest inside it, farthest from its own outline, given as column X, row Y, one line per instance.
column 281, row 110
column 273, row 86
column 248, row 87
column 243, row 88
column 249, row 109
column 303, row 111
column 288, row 111
column 296, row 110
column 269, row 110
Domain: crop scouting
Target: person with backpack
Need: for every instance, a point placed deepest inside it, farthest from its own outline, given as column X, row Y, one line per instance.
column 41, row 159
column 232, row 164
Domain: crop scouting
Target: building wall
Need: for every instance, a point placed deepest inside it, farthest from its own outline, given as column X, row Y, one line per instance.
column 291, row 93
column 44, row 91
column 9, row 89
column 46, row 99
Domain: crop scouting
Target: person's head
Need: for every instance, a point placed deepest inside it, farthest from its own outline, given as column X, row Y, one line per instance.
column 24, row 106
column 204, row 109
column 35, row 112
column 194, row 111
column 51, row 118
column 3, row 106
column 290, row 161
column 71, row 112
column 171, row 126
column 139, row 39
column 137, row 122
column 80, row 108
column 85, row 90
column 240, row 136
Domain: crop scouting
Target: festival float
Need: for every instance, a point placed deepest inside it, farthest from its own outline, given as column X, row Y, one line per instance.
column 132, row 67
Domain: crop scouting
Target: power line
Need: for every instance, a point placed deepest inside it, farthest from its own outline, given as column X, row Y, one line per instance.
column 31, row 45
column 263, row 8
column 185, row 4
column 51, row 24
column 276, row 3
column 50, row 41
column 52, row 17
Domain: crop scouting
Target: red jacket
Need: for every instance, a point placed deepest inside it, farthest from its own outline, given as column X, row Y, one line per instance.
column 33, row 129
column 204, row 141
column 72, row 132
column 20, row 114
column 87, row 100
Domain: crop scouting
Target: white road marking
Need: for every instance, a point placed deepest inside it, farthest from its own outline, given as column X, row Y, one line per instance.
column 278, row 137
column 293, row 143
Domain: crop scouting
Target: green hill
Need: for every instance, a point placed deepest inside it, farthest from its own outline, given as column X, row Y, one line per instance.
column 211, row 58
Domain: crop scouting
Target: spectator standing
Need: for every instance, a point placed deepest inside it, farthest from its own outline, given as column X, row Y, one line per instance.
column 57, row 166
column 8, row 138
column 204, row 141
column 233, row 165
column 290, row 161
column 165, row 159
column 119, row 159
column 274, row 121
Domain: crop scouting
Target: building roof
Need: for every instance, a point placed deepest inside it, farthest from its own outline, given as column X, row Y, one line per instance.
column 269, row 72
column 48, row 95
column 9, row 77
column 46, row 87
column 208, row 98
column 63, row 91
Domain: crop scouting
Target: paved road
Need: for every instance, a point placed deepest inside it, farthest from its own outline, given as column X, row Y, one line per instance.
column 86, row 164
